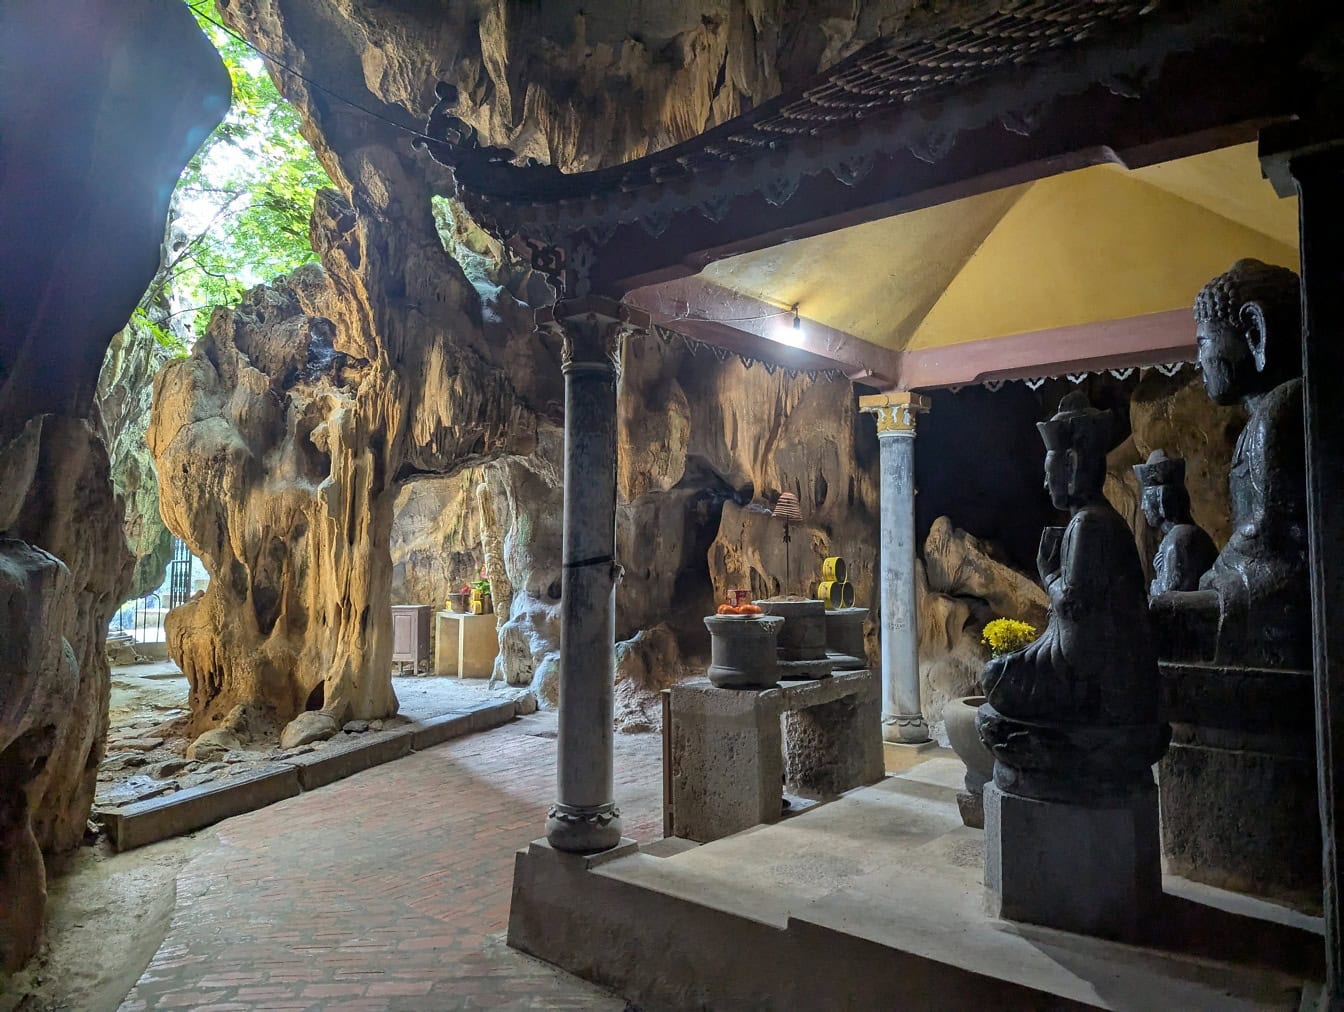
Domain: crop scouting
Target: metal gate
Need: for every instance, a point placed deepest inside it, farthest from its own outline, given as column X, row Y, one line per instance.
column 179, row 574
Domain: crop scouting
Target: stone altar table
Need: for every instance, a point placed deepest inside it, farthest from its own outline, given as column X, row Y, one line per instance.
column 465, row 645
column 728, row 748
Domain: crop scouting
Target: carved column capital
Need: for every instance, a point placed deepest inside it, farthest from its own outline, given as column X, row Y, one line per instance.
column 590, row 330
column 896, row 411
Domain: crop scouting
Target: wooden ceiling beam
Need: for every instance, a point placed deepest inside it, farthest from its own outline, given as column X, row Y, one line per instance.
column 708, row 312
column 1152, row 339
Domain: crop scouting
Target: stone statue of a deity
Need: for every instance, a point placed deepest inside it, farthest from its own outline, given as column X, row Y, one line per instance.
column 1186, row 552
column 1093, row 664
column 1074, row 721
column 1253, row 607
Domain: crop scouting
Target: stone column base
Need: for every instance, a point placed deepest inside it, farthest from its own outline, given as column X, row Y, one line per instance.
column 1093, row 870
column 900, row 729
column 583, row 830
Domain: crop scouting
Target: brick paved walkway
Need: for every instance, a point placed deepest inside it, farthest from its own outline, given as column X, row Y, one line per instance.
column 389, row 890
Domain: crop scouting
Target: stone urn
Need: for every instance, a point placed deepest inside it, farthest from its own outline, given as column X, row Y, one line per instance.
column 959, row 719
column 743, row 651
column 802, row 641
column 844, row 638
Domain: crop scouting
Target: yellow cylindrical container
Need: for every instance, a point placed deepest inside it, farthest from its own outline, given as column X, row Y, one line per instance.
column 847, row 595
column 831, row 592
column 834, row 570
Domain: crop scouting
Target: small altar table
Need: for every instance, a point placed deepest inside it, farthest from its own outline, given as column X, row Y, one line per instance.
column 465, row 645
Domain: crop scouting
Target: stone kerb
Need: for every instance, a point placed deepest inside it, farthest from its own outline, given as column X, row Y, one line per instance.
column 186, row 811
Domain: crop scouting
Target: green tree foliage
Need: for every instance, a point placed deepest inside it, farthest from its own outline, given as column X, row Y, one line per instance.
column 243, row 203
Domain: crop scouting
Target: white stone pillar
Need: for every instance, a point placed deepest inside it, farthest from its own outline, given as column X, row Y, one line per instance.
column 902, row 717
column 584, row 817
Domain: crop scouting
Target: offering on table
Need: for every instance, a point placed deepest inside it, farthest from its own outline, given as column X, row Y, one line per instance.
column 739, row 609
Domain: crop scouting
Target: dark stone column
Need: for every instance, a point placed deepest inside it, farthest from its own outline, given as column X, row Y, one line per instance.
column 1304, row 159
column 584, row 817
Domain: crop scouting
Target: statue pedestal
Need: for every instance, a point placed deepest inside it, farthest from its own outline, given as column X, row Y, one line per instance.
column 1093, row 870
column 1238, row 785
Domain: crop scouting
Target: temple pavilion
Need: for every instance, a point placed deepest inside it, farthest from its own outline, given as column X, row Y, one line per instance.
column 1000, row 193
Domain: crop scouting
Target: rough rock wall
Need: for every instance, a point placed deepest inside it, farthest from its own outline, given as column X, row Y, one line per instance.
column 1176, row 415
column 63, row 569
column 963, row 582
column 125, row 392
column 436, row 537
column 82, row 211
column 703, row 447
column 722, row 441
column 574, row 84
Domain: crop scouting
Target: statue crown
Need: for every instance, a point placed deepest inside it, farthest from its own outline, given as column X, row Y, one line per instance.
column 1160, row 470
column 1077, row 425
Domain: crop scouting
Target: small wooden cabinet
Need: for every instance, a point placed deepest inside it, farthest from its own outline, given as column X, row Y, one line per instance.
column 410, row 635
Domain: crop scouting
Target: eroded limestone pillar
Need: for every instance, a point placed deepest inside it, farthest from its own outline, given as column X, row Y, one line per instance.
column 902, row 716
column 584, row 817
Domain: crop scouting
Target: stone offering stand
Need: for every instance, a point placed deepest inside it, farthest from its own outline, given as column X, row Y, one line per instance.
column 802, row 641
column 728, row 749
column 844, row 638
column 743, row 651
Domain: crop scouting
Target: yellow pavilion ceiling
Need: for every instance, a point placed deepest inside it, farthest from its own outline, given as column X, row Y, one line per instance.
column 1101, row 243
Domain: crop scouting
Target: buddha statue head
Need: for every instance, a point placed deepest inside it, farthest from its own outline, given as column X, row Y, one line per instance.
column 1248, row 323
column 1076, row 440
column 1165, row 499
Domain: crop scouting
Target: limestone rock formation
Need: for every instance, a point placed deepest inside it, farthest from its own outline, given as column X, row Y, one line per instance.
column 961, row 565
column 1175, row 414
column 521, row 507
column 647, row 663
column 82, row 210
column 63, row 570
column 280, row 441
column 950, row 654
column 960, row 586
column 697, row 438
column 436, row 537
column 734, row 438
column 575, row 85
column 125, row 391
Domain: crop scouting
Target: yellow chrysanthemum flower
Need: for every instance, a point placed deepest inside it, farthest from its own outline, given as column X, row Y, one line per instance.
column 1005, row 635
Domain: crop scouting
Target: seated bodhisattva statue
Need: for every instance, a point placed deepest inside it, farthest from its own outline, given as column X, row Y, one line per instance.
column 1074, row 719
column 1093, row 668
column 1253, row 607
column 1186, row 551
